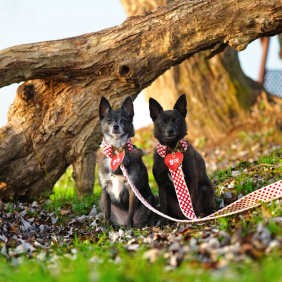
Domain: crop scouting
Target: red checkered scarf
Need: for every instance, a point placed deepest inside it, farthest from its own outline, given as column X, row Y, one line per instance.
column 161, row 149
column 179, row 183
column 108, row 149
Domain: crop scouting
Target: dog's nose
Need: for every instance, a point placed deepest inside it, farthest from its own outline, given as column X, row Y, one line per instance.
column 170, row 131
column 115, row 126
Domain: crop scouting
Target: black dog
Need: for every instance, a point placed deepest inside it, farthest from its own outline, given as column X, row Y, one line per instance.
column 118, row 202
column 169, row 128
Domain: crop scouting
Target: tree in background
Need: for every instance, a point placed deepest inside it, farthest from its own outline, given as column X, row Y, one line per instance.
column 220, row 96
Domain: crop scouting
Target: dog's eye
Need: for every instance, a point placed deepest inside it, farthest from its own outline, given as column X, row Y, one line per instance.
column 177, row 121
column 108, row 121
column 123, row 121
column 161, row 123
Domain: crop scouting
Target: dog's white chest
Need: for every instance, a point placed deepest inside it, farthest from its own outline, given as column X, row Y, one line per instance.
column 117, row 185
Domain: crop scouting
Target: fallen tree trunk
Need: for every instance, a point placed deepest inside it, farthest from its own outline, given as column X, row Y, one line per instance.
column 54, row 117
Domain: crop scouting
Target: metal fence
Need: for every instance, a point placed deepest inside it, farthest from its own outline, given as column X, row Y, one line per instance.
column 273, row 82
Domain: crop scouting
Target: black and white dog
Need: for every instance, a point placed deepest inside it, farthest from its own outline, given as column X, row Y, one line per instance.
column 169, row 128
column 118, row 202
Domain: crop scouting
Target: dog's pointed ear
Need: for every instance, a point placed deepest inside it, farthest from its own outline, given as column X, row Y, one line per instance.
column 104, row 107
column 155, row 108
column 181, row 105
column 127, row 106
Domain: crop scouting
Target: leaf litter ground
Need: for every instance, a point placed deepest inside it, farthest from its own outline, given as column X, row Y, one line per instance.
column 65, row 237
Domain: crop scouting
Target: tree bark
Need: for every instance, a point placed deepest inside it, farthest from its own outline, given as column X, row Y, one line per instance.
column 219, row 95
column 55, row 114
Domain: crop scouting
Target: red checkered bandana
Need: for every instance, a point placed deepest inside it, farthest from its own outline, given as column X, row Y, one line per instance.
column 108, row 149
column 161, row 149
column 179, row 183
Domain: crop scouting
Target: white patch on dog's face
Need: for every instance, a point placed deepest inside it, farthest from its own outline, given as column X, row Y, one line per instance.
column 117, row 185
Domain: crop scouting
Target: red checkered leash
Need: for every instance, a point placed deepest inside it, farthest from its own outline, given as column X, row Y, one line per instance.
column 265, row 194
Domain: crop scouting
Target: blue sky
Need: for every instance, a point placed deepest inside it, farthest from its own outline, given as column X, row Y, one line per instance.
column 28, row 21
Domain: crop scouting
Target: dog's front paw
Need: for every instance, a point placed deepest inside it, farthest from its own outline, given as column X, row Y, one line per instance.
column 108, row 224
column 162, row 223
column 130, row 224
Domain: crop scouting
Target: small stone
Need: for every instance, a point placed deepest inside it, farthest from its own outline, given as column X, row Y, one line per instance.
column 131, row 241
column 151, row 255
column 174, row 246
column 226, row 239
column 237, row 236
column 272, row 245
column 179, row 230
column 132, row 247
column 240, row 196
column 193, row 242
column 4, row 251
column 113, row 236
column 64, row 212
column 173, row 260
column 95, row 260
column 93, row 212
column 214, row 242
column 81, row 218
column 24, row 248
column 54, row 220
column 235, row 173
column 227, row 195
column 26, row 224
column 34, row 204
column 231, row 185
column 117, row 260
column 121, row 233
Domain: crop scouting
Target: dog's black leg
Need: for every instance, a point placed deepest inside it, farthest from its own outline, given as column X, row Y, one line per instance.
column 144, row 216
column 163, row 202
column 208, row 201
column 193, row 189
column 106, row 200
column 191, row 180
column 132, row 208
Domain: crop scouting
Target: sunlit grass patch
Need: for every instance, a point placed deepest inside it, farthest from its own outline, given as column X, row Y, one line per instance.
column 64, row 193
column 65, row 186
column 271, row 159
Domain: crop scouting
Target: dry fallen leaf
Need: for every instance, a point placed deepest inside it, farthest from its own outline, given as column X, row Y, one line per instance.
column 64, row 212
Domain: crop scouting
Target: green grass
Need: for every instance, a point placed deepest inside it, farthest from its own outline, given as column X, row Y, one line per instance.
column 245, row 188
column 65, row 186
column 103, row 260
column 94, row 263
